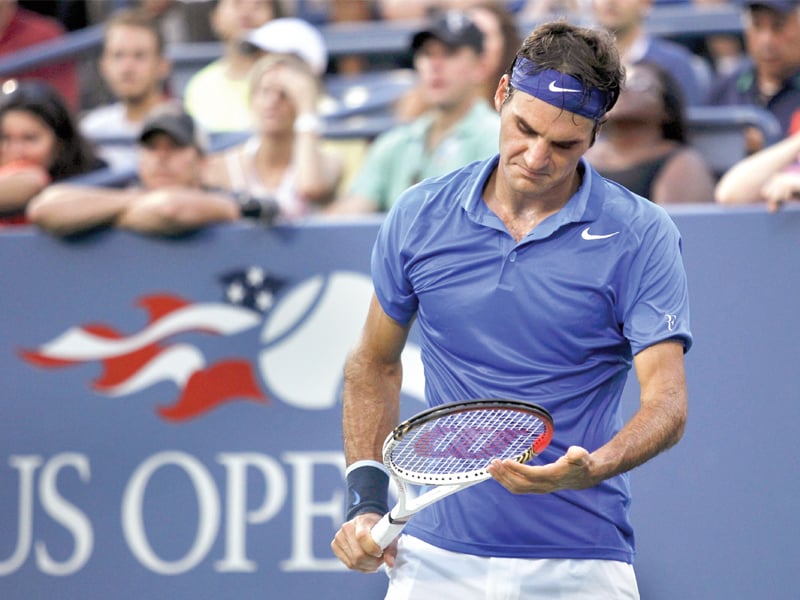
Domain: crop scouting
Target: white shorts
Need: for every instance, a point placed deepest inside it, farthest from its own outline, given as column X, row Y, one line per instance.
column 423, row 571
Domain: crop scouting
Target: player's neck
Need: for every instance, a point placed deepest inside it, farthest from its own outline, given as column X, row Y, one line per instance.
column 521, row 213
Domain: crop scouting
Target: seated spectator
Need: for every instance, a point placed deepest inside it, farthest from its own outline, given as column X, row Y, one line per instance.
column 39, row 143
column 771, row 76
column 169, row 198
column 643, row 144
column 21, row 28
column 292, row 36
column 771, row 175
column 626, row 20
column 216, row 96
column 178, row 20
column 501, row 40
column 284, row 160
column 460, row 126
column 725, row 50
column 134, row 68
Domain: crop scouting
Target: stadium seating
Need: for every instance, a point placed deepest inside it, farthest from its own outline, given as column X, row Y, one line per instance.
column 360, row 106
column 719, row 132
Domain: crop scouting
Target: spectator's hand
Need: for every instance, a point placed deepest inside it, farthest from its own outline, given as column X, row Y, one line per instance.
column 301, row 89
column 573, row 471
column 354, row 546
column 781, row 188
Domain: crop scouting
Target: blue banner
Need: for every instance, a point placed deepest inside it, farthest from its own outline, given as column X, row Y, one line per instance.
column 170, row 414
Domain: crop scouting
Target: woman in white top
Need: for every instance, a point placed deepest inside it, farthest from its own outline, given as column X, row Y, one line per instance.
column 284, row 160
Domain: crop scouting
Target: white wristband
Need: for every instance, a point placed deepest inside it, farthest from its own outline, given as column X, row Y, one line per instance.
column 308, row 123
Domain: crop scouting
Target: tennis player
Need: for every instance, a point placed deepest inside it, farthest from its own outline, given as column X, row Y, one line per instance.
column 530, row 277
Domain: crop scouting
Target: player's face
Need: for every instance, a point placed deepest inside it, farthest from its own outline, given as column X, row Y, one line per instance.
column 24, row 136
column 540, row 144
column 163, row 163
column 131, row 64
column 771, row 39
column 449, row 76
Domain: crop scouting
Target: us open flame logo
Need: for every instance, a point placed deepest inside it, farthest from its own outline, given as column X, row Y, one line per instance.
column 306, row 332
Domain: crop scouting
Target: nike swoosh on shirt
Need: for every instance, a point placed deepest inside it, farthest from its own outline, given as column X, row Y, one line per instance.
column 554, row 88
column 592, row 236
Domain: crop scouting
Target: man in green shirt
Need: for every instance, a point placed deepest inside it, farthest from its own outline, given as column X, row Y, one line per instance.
column 458, row 128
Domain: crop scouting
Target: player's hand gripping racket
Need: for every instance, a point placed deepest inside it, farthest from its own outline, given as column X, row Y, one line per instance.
column 449, row 447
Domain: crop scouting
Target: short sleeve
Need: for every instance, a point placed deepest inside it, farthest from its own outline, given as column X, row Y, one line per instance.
column 656, row 296
column 393, row 288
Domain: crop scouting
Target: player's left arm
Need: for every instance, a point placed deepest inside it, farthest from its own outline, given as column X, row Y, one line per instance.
column 656, row 426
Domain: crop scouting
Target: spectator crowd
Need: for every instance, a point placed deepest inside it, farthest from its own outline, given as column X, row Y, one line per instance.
column 252, row 133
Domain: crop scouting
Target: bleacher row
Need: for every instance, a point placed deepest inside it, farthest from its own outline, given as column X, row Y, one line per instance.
column 361, row 105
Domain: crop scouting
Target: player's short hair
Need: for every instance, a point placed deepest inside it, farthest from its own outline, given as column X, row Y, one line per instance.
column 589, row 55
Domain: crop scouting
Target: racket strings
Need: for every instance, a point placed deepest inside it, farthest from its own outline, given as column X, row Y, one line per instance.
column 466, row 441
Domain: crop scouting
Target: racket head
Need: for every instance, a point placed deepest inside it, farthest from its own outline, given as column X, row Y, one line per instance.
column 454, row 443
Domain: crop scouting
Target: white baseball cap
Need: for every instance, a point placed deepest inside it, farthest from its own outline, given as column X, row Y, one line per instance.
column 292, row 36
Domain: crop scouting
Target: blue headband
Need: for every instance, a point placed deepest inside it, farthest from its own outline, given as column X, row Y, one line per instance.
column 559, row 89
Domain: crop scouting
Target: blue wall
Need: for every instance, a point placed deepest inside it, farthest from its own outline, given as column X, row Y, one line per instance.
column 126, row 472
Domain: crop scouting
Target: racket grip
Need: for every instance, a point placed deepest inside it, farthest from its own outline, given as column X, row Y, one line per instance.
column 384, row 531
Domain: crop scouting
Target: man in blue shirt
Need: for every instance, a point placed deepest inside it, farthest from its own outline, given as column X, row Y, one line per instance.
column 530, row 277
column 770, row 78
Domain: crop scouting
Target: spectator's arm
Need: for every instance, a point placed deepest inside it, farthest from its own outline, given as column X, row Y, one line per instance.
column 66, row 209
column 317, row 172
column 781, row 188
column 177, row 210
column 352, row 205
column 19, row 182
column 745, row 181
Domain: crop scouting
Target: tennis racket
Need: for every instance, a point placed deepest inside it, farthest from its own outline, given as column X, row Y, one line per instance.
column 448, row 447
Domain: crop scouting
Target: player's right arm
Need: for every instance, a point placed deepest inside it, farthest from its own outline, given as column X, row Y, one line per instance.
column 370, row 409
column 372, row 377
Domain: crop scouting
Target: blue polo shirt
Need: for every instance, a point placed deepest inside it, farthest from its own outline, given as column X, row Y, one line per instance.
column 554, row 319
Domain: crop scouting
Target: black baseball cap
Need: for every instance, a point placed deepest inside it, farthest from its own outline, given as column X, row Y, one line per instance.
column 781, row 6
column 453, row 28
column 178, row 125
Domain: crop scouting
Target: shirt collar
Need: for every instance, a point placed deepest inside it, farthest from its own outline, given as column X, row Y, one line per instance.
column 584, row 206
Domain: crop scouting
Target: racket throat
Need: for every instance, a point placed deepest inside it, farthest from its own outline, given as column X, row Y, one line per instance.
column 402, row 521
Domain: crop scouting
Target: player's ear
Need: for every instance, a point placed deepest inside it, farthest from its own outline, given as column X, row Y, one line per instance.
column 502, row 92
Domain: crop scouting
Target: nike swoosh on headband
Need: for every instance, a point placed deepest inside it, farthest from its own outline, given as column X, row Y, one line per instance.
column 554, row 88
column 558, row 89
column 592, row 236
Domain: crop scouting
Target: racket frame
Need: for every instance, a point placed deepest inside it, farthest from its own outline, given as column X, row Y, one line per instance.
column 443, row 485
